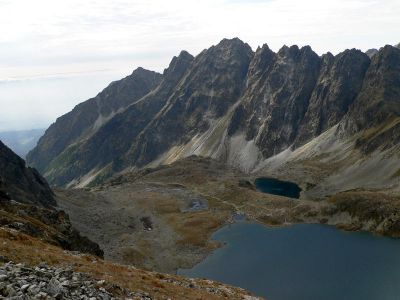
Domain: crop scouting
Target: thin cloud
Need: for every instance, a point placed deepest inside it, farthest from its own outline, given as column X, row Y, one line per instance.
column 51, row 76
column 72, row 36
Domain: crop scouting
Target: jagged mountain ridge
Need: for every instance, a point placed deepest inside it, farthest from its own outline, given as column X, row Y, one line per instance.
column 240, row 107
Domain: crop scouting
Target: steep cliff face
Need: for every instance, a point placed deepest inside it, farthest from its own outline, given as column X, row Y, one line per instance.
column 213, row 84
column 376, row 111
column 242, row 108
column 277, row 97
column 21, row 183
column 88, row 116
column 338, row 85
column 379, row 97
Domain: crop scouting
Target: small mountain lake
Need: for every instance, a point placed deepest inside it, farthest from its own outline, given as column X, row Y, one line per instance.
column 278, row 187
column 304, row 261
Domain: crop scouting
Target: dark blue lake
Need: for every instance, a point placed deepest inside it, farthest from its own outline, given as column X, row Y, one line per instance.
column 278, row 187
column 304, row 261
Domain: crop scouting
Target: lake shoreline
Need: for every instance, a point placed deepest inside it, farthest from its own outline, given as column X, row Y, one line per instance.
column 321, row 231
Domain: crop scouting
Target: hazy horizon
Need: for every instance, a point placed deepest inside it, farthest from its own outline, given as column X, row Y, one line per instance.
column 56, row 54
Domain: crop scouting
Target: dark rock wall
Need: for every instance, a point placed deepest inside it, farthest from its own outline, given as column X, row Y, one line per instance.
column 22, row 183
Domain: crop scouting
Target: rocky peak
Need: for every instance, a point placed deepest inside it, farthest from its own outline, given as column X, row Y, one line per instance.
column 232, row 43
column 327, row 59
column 178, row 66
column 145, row 74
column 388, row 55
column 295, row 54
column 263, row 59
column 283, row 51
column 124, row 92
column 227, row 52
column 371, row 52
column 307, row 49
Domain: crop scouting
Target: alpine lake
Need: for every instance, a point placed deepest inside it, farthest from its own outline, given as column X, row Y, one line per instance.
column 302, row 261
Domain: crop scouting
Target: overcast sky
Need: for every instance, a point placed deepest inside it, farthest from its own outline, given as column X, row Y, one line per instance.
column 55, row 53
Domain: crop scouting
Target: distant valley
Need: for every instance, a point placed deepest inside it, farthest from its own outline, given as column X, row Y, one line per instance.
column 21, row 141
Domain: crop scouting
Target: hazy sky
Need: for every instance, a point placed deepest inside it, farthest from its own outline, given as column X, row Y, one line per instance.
column 55, row 54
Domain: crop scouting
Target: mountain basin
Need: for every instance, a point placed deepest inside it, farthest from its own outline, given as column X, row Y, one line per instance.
column 277, row 187
column 304, row 261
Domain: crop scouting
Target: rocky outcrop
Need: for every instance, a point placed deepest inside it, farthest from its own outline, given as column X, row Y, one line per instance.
column 22, row 183
column 49, row 225
column 27, row 205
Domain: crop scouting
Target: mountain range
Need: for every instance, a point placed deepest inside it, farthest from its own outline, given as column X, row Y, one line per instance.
column 329, row 122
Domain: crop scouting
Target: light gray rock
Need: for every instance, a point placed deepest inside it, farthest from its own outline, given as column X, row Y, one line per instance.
column 54, row 287
column 20, row 282
column 10, row 291
column 25, row 287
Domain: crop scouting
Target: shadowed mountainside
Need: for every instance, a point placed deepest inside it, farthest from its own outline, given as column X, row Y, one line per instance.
column 22, row 183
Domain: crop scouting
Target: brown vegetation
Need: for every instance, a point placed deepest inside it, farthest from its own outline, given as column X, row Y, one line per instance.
column 20, row 247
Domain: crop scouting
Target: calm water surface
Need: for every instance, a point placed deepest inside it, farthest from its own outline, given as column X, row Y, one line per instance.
column 304, row 261
column 278, row 187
